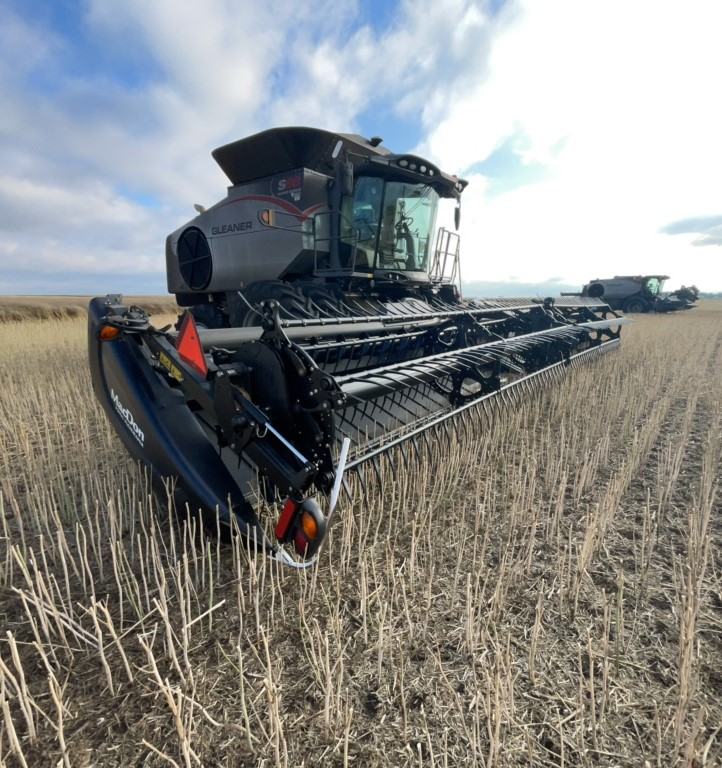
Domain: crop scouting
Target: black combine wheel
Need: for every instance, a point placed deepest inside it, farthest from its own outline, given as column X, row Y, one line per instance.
column 636, row 305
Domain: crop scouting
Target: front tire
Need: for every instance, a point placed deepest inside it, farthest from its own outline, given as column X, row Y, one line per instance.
column 636, row 305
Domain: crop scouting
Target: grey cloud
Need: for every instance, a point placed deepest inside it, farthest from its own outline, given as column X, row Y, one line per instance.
column 713, row 236
column 708, row 229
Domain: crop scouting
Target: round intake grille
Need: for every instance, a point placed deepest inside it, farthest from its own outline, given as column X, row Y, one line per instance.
column 194, row 259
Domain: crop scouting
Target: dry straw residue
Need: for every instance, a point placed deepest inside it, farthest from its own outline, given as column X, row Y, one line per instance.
column 546, row 593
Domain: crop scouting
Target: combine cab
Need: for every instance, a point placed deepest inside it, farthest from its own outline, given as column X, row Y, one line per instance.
column 641, row 293
column 323, row 328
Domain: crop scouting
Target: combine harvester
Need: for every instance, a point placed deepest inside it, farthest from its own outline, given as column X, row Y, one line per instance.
column 640, row 293
column 323, row 328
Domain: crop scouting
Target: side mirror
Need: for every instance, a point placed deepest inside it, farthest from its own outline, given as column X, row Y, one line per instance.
column 345, row 177
column 457, row 216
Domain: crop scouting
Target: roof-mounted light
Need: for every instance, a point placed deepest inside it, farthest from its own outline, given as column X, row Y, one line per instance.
column 417, row 165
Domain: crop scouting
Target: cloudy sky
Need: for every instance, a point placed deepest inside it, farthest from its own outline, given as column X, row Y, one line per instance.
column 589, row 130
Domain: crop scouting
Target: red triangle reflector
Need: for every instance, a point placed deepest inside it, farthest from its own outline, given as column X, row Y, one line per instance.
column 189, row 345
column 283, row 525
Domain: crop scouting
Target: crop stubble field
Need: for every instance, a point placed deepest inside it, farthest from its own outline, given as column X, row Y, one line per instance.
column 545, row 591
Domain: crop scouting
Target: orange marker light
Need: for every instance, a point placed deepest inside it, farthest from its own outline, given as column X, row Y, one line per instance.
column 267, row 217
column 303, row 524
column 189, row 345
column 309, row 525
column 108, row 333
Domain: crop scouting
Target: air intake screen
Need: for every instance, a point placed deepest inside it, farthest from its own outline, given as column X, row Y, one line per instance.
column 194, row 259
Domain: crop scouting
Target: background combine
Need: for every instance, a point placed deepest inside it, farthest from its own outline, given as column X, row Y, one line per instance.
column 324, row 327
column 640, row 293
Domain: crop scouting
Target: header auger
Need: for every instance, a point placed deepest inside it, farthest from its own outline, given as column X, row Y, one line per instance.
column 323, row 328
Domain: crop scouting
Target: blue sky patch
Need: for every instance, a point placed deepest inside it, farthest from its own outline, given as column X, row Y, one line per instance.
column 144, row 198
column 398, row 135
column 506, row 169
column 377, row 14
column 79, row 52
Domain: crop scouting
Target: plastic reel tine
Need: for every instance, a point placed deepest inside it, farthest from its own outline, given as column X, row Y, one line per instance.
column 392, row 464
column 347, row 489
column 441, row 432
column 377, row 470
column 402, row 450
column 400, row 398
column 367, row 351
column 473, row 413
column 387, row 409
column 415, row 445
column 482, row 409
column 362, row 482
column 378, row 413
column 427, row 442
column 480, row 413
column 468, row 417
column 503, row 396
column 419, row 397
column 461, row 426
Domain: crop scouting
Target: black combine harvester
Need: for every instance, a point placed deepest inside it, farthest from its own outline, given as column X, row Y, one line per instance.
column 323, row 328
